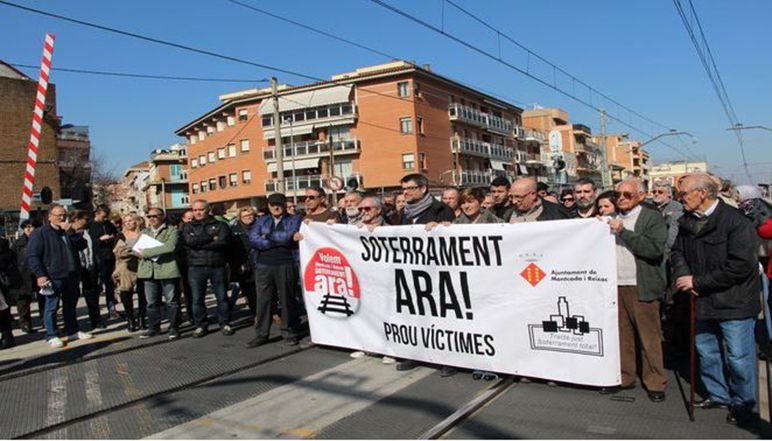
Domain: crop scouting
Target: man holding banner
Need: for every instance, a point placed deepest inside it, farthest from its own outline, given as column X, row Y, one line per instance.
column 641, row 238
column 422, row 208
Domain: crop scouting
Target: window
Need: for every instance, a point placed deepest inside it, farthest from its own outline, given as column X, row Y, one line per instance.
column 406, row 125
column 201, row 135
column 346, row 109
column 212, row 184
column 246, row 176
column 202, row 160
column 221, row 181
column 311, row 114
column 221, row 153
column 338, row 133
column 210, row 157
column 403, row 89
column 334, row 111
column 267, row 121
column 194, row 163
column 244, row 145
column 300, row 116
column 209, row 129
column 175, row 172
column 322, row 112
column 193, row 139
column 408, row 161
column 422, row 161
column 419, row 124
column 231, row 120
column 194, row 188
column 233, row 178
column 220, row 126
column 232, row 150
column 204, row 187
column 417, row 90
column 243, row 115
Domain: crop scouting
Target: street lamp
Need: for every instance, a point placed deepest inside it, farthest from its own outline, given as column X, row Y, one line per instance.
column 672, row 132
column 739, row 126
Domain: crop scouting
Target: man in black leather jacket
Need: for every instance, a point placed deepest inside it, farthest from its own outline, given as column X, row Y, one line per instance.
column 206, row 241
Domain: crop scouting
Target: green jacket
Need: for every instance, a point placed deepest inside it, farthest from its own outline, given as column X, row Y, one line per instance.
column 165, row 267
column 647, row 243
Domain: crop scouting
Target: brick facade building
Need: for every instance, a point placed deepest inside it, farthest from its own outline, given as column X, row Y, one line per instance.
column 18, row 97
column 373, row 125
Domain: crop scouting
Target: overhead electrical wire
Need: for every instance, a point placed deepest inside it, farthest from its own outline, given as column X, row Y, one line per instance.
column 525, row 72
column 701, row 45
column 296, row 73
column 142, row 76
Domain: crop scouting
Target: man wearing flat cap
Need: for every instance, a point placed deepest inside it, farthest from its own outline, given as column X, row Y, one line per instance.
column 274, row 238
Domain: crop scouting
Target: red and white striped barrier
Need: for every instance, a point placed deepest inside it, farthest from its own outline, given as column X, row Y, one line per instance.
column 37, row 127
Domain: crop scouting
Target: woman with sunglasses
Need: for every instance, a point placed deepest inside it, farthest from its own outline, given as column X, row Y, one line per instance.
column 567, row 200
column 125, row 274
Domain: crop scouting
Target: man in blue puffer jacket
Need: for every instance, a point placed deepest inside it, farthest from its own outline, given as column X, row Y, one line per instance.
column 276, row 270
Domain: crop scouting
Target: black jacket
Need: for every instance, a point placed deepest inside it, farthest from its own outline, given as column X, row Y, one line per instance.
column 551, row 211
column 46, row 252
column 503, row 211
column 240, row 251
column 26, row 282
column 103, row 249
column 206, row 242
column 723, row 260
column 437, row 212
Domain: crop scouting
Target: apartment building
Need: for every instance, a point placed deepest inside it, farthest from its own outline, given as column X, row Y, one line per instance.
column 670, row 171
column 17, row 92
column 574, row 144
column 627, row 158
column 167, row 184
column 370, row 126
column 128, row 195
column 74, row 162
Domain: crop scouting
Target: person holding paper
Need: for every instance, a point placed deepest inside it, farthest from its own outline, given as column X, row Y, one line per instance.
column 125, row 274
column 159, row 272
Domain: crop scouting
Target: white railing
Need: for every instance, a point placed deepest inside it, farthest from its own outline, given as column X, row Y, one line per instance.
column 471, row 115
column 309, row 149
column 480, row 148
column 300, row 183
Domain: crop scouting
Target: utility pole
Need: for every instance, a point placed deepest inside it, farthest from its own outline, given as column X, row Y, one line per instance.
column 331, row 171
column 605, row 170
column 277, row 139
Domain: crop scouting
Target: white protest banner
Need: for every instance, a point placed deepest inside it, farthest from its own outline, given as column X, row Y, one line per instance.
column 536, row 299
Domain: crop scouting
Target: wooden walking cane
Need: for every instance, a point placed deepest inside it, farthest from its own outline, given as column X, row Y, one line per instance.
column 692, row 350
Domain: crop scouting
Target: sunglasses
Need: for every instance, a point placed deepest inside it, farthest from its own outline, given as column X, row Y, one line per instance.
column 361, row 209
column 625, row 194
column 311, row 197
column 567, row 199
column 152, row 216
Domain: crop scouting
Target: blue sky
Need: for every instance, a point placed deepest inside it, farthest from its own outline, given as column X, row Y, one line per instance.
column 636, row 52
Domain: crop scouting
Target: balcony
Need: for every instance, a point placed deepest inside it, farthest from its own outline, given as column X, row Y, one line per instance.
column 476, row 177
column 499, row 125
column 475, row 147
column 528, row 135
column 300, row 183
column 582, row 129
column 314, row 149
column 467, row 114
column 460, row 112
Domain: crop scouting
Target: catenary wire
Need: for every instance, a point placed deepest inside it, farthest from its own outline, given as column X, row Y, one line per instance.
column 142, row 76
column 517, row 69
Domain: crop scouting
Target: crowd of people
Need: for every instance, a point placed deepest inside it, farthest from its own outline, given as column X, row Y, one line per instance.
column 701, row 238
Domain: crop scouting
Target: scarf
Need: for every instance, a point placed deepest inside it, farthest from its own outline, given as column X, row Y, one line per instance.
column 412, row 211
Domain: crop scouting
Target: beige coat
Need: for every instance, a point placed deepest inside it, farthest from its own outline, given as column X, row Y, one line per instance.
column 126, row 263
